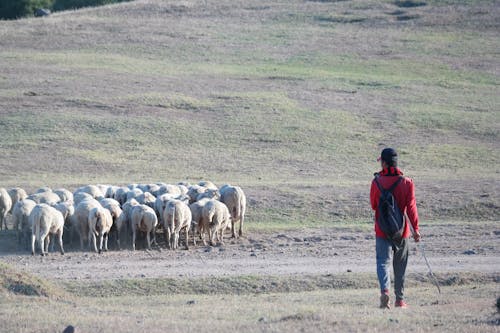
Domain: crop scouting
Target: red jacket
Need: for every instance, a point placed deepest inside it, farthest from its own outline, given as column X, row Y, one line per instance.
column 404, row 193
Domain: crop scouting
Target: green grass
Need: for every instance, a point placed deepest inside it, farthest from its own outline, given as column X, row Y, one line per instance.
column 265, row 96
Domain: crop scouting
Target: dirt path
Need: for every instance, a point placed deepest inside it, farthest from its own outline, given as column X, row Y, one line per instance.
column 457, row 248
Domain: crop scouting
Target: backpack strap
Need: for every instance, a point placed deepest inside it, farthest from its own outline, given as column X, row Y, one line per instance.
column 391, row 188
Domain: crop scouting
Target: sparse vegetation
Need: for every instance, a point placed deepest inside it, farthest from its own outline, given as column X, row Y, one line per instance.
column 288, row 99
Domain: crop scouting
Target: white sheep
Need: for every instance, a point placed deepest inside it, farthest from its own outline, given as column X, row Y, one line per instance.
column 134, row 193
column 117, row 214
column 144, row 219
column 16, row 194
column 43, row 189
column 176, row 216
column 100, row 222
column 5, row 207
column 80, row 196
column 64, row 194
column 217, row 217
column 194, row 191
column 208, row 185
column 93, row 190
column 198, row 221
column 146, row 198
column 67, row 210
column 236, row 202
column 20, row 216
column 47, row 197
column 46, row 220
column 121, row 195
column 110, row 192
column 79, row 221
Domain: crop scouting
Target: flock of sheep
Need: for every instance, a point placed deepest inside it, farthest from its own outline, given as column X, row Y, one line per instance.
column 93, row 212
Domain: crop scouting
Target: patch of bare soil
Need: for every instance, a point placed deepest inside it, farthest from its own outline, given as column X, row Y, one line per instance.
column 449, row 248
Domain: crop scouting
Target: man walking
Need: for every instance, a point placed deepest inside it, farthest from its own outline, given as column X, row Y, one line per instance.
column 390, row 178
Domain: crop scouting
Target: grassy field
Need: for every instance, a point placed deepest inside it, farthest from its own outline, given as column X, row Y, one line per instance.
column 293, row 100
column 289, row 99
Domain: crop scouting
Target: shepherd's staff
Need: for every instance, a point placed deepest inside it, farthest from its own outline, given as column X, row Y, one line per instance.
column 421, row 250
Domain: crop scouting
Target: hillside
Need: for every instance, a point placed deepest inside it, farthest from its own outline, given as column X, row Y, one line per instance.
column 292, row 100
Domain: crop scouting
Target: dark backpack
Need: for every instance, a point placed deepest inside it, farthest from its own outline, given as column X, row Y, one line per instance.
column 390, row 218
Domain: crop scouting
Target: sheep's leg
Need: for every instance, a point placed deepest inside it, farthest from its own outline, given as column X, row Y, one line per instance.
column 106, row 242
column 167, row 237
column 212, row 235
column 148, row 239
column 233, row 230
column 222, row 236
column 154, row 237
column 101, row 239
column 94, row 241
column 118, row 239
column 204, row 231
column 60, row 235
column 33, row 237
column 134, row 234
column 4, row 220
column 187, row 237
column 41, row 242
column 47, row 243
column 51, row 244
column 241, row 225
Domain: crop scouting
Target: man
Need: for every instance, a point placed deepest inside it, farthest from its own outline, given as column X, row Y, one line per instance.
column 404, row 195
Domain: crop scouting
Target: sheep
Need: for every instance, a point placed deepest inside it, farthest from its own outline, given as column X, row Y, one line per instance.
column 176, row 216
column 79, row 221
column 160, row 204
column 80, row 196
column 146, row 198
column 116, row 213
column 99, row 222
column 43, row 189
column 45, row 220
column 121, row 195
column 236, row 202
column 47, row 197
column 5, row 207
column 104, row 190
column 93, row 190
column 64, row 194
column 217, row 218
column 20, row 216
column 16, row 194
column 152, row 188
column 126, row 216
column 110, row 192
column 175, row 190
column 209, row 193
column 197, row 219
column 67, row 210
column 194, row 191
column 208, row 185
column 134, row 193
column 144, row 219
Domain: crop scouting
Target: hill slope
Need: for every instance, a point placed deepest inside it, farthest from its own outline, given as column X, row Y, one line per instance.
column 293, row 100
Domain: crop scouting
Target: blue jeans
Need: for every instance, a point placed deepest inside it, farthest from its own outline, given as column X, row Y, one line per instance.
column 384, row 249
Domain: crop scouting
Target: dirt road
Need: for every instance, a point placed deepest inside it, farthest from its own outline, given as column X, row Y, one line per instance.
column 449, row 248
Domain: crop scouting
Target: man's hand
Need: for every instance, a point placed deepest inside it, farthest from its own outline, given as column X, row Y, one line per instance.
column 416, row 236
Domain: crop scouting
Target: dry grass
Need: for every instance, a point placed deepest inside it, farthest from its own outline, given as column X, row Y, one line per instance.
column 467, row 308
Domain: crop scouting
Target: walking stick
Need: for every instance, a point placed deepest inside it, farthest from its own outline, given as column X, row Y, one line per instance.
column 421, row 249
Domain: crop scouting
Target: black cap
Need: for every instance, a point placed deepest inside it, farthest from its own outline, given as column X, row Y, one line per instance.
column 389, row 156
